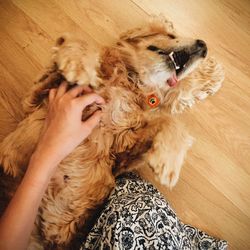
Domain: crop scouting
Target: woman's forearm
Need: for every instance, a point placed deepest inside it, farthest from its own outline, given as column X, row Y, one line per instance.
column 17, row 222
column 63, row 131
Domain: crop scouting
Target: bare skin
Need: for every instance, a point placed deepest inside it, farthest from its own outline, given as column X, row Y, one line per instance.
column 64, row 130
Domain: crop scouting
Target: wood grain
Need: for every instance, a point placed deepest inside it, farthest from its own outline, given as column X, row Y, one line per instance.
column 214, row 189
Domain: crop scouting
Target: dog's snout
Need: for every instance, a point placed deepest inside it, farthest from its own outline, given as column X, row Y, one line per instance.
column 201, row 45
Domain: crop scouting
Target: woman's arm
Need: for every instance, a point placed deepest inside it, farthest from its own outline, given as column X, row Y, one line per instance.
column 63, row 131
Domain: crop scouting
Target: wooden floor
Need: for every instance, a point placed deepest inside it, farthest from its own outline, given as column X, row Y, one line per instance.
column 214, row 189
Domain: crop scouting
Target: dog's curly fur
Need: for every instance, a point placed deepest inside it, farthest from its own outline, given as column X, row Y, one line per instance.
column 130, row 130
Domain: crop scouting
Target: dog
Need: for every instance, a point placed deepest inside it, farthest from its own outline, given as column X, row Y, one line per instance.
column 147, row 77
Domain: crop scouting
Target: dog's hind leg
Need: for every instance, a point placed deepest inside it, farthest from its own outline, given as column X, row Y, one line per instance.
column 17, row 147
column 76, row 190
column 204, row 81
column 168, row 151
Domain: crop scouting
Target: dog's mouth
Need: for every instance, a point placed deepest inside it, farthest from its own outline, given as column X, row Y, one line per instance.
column 180, row 60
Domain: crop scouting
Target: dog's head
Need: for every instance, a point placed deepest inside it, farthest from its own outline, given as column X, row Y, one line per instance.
column 159, row 55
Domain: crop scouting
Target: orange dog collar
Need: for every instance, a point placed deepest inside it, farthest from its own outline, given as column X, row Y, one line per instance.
column 153, row 100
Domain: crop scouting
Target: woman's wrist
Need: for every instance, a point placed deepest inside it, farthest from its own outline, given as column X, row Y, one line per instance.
column 41, row 167
column 48, row 151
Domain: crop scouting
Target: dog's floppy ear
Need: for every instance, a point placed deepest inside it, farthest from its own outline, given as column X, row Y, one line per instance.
column 136, row 34
column 157, row 25
column 161, row 24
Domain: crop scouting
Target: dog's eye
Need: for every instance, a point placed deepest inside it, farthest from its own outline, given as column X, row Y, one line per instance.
column 158, row 50
column 171, row 36
column 152, row 48
column 162, row 52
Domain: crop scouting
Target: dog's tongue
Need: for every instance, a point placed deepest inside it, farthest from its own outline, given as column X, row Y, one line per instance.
column 172, row 81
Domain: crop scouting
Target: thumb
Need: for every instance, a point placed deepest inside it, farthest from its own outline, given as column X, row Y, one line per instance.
column 91, row 123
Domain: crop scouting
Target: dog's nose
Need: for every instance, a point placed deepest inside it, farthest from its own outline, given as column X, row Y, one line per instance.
column 201, row 45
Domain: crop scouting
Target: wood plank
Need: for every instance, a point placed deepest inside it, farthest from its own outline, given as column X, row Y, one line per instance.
column 213, row 191
column 217, row 168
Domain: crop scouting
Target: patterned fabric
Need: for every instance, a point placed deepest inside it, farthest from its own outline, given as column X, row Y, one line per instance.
column 137, row 216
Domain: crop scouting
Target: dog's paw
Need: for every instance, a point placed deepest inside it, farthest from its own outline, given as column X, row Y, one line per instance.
column 212, row 74
column 77, row 61
column 9, row 168
column 164, row 171
column 209, row 89
column 10, row 159
column 166, row 158
column 182, row 104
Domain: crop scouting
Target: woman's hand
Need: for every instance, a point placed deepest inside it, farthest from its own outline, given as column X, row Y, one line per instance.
column 64, row 129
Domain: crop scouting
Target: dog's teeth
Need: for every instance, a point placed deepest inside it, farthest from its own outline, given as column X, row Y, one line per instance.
column 171, row 56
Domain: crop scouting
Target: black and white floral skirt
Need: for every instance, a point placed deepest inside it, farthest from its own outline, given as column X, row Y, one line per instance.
column 137, row 216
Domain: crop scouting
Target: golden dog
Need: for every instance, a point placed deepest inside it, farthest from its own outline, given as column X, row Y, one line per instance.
column 149, row 75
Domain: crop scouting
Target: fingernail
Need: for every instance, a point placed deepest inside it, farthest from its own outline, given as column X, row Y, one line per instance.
column 102, row 99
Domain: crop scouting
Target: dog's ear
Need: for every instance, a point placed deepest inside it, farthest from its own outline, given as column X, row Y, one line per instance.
column 135, row 35
column 161, row 24
column 157, row 25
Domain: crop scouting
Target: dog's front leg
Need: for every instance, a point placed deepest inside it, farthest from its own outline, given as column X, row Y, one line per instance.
column 204, row 81
column 77, row 61
column 168, row 151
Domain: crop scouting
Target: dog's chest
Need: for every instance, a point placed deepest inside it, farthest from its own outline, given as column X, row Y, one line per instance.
column 123, row 109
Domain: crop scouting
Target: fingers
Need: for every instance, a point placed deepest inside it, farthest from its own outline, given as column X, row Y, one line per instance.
column 52, row 95
column 91, row 123
column 78, row 90
column 61, row 89
column 76, row 93
column 85, row 100
column 87, row 89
